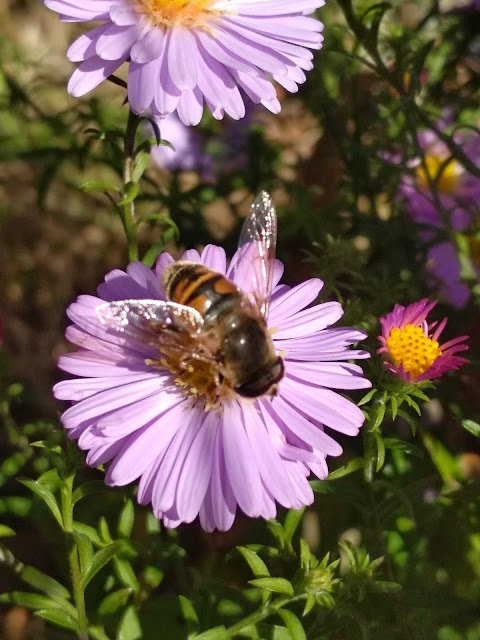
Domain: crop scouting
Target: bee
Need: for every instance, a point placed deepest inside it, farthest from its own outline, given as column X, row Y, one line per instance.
column 209, row 332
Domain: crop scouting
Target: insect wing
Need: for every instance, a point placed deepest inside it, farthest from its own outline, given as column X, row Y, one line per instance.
column 256, row 252
column 149, row 321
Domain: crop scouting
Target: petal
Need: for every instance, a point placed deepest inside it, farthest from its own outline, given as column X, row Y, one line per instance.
column 142, row 448
column 214, row 258
column 243, row 474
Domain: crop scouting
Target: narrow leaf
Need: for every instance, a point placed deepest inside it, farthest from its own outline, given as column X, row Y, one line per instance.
column 346, row 469
column 47, row 496
column 293, row 624
column 125, row 573
column 86, row 489
column 292, row 520
column 58, row 617
column 5, row 531
column 256, row 564
column 217, row 633
column 276, row 585
column 114, row 601
column 472, row 426
column 99, row 560
column 29, row 600
column 85, row 551
column 129, row 627
column 131, row 191
column 190, row 617
column 42, row 582
column 125, row 520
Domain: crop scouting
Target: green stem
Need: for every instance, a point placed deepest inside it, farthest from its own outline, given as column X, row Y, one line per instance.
column 128, row 209
column 73, row 559
column 362, row 34
column 260, row 614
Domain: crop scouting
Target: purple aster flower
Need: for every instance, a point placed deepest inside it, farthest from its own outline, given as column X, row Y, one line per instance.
column 194, row 456
column 459, row 195
column 411, row 345
column 458, row 190
column 184, row 54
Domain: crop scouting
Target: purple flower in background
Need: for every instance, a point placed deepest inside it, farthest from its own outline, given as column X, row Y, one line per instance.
column 194, row 458
column 184, row 54
column 458, row 190
column 459, row 197
column 187, row 153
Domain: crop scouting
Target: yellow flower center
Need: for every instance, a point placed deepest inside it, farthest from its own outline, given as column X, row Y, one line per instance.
column 446, row 176
column 411, row 348
column 176, row 13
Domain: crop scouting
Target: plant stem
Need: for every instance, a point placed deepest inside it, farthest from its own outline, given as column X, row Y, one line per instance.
column 260, row 614
column 73, row 559
column 362, row 34
column 128, row 209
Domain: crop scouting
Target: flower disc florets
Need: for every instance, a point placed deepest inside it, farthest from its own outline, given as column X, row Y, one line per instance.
column 136, row 412
column 411, row 345
column 176, row 13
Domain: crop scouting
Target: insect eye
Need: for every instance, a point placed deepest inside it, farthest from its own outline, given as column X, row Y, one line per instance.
column 262, row 382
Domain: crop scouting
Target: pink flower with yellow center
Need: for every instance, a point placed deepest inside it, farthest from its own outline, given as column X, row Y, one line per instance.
column 184, row 54
column 411, row 346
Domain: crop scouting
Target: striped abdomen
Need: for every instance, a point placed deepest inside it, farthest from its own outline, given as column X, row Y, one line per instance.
column 194, row 285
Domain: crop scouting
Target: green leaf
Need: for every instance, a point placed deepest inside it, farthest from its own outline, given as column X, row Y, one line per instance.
column 394, row 406
column 129, row 627
column 346, row 469
column 152, row 576
column 125, row 573
column 50, row 478
column 394, row 444
column 367, row 397
column 98, row 633
column 155, row 250
column 104, row 531
column 309, row 604
column 47, row 496
column 472, row 426
column 217, row 633
column 130, row 192
column 58, row 617
column 5, row 531
column 114, row 601
column 190, row 616
column 276, row 585
column 292, row 520
column 383, row 586
column 125, row 520
column 293, row 624
column 15, row 505
column 86, row 489
column 29, row 600
column 85, row 551
column 256, row 564
column 97, row 185
column 87, row 530
column 99, row 560
column 42, row 582
column 380, row 450
column 141, row 162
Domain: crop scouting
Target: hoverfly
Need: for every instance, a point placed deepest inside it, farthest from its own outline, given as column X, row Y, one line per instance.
column 209, row 332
